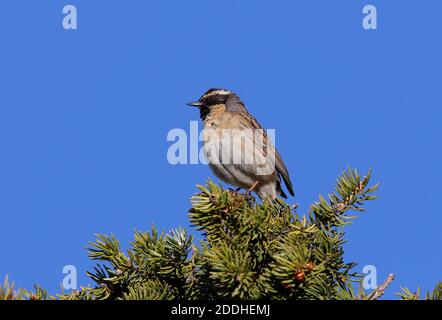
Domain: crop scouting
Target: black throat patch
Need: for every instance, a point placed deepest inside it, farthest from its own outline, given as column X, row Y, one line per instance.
column 204, row 112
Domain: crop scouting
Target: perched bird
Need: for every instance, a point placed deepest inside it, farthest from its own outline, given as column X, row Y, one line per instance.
column 237, row 149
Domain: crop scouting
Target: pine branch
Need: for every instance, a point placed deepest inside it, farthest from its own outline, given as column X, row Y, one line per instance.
column 248, row 250
column 7, row 291
column 350, row 194
column 435, row 294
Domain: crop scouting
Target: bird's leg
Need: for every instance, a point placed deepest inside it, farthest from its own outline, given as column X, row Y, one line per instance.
column 247, row 195
column 253, row 187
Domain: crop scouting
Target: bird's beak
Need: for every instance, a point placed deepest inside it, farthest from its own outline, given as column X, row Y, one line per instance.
column 195, row 104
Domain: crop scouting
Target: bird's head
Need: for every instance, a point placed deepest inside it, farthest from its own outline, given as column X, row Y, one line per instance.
column 218, row 98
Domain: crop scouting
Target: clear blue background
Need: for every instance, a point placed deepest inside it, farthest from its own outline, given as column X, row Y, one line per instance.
column 84, row 117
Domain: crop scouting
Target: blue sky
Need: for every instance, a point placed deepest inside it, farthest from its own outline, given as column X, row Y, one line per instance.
column 84, row 116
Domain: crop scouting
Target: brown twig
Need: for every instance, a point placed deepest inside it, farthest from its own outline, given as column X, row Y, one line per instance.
column 379, row 292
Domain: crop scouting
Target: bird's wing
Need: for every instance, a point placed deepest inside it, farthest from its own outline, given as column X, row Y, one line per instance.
column 248, row 120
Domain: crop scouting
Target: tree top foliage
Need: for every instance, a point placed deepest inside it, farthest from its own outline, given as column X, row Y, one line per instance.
column 248, row 250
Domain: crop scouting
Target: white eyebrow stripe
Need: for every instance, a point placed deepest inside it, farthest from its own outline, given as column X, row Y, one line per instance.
column 217, row 92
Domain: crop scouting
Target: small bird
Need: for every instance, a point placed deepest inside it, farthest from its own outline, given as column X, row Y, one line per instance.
column 237, row 149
